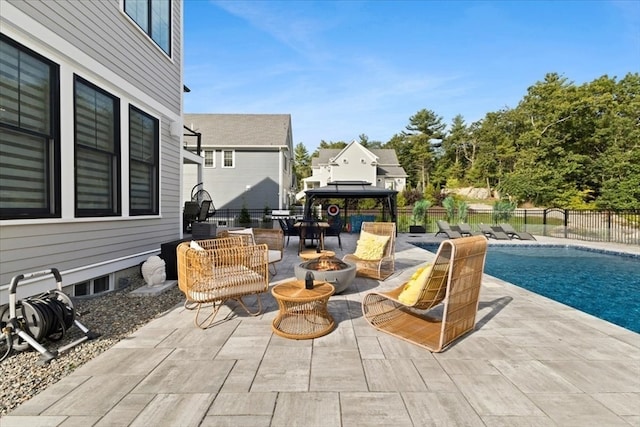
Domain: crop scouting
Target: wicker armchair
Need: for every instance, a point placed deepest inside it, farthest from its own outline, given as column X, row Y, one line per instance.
column 217, row 270
column 273, row 238
column 375, row 268
column 454, row 279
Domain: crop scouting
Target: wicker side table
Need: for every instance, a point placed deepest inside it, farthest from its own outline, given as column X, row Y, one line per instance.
column 303, row 312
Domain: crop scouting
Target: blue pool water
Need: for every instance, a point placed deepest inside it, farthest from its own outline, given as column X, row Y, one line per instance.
column 602, row 284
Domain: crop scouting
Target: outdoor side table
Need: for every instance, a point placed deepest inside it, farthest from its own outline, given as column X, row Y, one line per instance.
column 310, row 254
column 303, row 312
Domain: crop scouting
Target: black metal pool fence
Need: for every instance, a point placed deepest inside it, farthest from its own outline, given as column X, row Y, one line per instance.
column 589, row 225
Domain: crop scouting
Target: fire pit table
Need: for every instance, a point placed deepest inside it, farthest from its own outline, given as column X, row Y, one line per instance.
column 329, row 269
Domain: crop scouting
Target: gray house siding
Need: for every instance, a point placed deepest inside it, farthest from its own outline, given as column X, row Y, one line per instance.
column 261, row 177
column 138, row 74
column 228, row 186
column 102, row 31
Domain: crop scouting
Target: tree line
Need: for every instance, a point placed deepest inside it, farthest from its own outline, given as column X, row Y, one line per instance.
column 563, row 145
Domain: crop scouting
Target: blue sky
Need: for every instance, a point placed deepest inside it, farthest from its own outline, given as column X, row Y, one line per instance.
column 347, row 68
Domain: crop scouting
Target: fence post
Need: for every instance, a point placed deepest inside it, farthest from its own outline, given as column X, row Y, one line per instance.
column 608, row 226
column 566, row 222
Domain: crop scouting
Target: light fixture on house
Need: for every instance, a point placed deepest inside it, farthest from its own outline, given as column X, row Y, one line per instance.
column 175, row 128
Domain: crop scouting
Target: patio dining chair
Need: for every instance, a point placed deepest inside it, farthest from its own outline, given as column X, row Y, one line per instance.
column 190, row 214
column 453, row 281
column 374, row 256
column 334, row 230
column 286, row 224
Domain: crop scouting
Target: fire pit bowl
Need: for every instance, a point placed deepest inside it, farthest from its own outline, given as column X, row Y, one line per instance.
column 329, row 269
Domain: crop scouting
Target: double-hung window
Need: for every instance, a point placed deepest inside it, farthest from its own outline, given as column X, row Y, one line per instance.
column 29, row 133
column 154, row 18
column 144, row 140
column 228, row 158
column 209, row 158
column 97, row 151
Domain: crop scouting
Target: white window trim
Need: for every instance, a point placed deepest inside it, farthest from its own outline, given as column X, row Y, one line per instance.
column 213, row 158
column 233, row 159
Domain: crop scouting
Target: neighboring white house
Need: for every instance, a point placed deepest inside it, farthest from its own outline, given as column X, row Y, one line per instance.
column 90, row 138
column 247, row 160
column 378, row 166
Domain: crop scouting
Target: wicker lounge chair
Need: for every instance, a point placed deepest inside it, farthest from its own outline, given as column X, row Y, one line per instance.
column 454, row 281
column 384, row 238
column 272, row 237
column 217, row 270
column 445, row 228
column 495, row 233
column 511, row 232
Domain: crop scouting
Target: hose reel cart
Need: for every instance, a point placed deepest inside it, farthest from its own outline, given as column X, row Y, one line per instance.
column 26, row 323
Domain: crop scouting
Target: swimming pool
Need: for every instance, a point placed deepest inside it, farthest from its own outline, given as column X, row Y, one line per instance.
column 602, row 284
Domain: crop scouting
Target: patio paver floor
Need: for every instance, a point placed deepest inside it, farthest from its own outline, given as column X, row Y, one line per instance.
column 530, row 361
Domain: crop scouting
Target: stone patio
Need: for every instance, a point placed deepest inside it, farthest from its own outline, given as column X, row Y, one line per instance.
column 530, row 362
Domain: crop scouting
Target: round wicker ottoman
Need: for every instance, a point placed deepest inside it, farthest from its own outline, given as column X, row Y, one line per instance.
column 303, row 312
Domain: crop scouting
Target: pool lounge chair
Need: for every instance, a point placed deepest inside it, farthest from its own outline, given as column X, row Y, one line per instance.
column 511, row 232
column 451, row 286
column 445, row 228
column 465, row 230
column 493, row 233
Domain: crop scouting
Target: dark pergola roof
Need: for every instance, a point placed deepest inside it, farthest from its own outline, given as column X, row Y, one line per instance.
column 353, row 190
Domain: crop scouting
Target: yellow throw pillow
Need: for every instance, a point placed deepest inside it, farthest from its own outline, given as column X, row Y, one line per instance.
column 371, row 246
column 412, row 288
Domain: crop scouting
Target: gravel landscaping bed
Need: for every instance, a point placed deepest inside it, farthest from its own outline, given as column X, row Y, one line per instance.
column 114, row 316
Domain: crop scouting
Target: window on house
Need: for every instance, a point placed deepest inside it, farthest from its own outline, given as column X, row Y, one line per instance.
column 144, row 143
column 90, row 287
column 29, row 135
column 97, row 142
column 209, row 158
column 228, row 158
column 154, row 18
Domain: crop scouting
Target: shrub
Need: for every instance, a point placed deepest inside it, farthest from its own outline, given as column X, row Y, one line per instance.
column 457, row 210
column 420, row 209
column 244, row 217
column 503, row 210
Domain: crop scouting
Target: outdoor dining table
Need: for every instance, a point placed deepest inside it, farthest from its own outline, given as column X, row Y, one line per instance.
column 307, row 227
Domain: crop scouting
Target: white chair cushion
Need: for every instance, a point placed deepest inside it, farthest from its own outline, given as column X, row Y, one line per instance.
column 223, row 284
column 274, row 256
column 248, row 231
column 196, row 246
